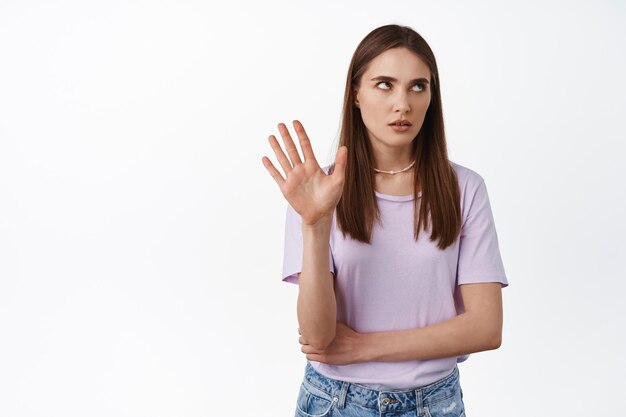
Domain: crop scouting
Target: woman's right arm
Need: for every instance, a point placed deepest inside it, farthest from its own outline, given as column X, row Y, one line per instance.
column 313, row 195
column 317, row 306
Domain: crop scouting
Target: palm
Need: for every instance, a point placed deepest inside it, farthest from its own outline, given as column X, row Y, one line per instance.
column 311, row 192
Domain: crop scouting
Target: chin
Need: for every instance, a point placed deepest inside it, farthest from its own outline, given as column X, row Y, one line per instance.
column 394, row 139
column 399, row 141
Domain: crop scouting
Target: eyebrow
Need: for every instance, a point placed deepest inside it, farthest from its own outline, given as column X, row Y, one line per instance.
column 386, row 78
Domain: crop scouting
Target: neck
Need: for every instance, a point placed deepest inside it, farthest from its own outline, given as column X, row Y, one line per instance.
column 393, row 161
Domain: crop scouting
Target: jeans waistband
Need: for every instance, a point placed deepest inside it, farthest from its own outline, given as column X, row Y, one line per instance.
column 385, row 401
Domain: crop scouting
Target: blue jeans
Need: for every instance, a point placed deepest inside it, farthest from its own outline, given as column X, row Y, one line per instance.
column 322, row 396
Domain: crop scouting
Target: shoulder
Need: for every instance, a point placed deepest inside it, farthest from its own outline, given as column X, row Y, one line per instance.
column 474, row 197
column 468, row 178
column 472, row 188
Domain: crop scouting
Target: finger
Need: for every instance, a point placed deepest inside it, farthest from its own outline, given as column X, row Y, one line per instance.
column 310, row 349
column 273, row 171
column 341, row 160
column 305, row 143
column 316, row 358
column 290, row 146
column 280, row 155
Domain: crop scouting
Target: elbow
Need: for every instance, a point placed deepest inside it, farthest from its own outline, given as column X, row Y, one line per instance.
column 495, row 341
column 321, row 341
column 321, row 344
column 493, row 335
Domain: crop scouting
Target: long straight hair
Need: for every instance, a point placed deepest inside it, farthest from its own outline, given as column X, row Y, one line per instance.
column 357, row 209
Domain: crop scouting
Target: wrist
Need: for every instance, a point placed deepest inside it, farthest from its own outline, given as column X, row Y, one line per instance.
column 367, row 347
column 321, row 225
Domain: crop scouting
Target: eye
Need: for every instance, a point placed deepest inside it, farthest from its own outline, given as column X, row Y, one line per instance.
column 421, row 85
column 384, row 82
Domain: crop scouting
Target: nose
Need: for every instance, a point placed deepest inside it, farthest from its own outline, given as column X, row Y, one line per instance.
column 401, row 103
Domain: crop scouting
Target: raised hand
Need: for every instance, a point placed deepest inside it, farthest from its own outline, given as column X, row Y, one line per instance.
column 311, row 193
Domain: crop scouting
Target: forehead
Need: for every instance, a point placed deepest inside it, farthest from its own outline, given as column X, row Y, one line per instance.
column 399, row 63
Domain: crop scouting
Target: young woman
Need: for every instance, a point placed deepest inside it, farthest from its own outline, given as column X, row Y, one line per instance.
column 393, row 246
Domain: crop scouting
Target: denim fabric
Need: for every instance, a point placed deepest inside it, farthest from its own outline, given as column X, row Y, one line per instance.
column 321, row 396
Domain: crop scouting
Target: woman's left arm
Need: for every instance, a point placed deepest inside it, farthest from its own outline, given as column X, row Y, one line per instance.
column 478, row 329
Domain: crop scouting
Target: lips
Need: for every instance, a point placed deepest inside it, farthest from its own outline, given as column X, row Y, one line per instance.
column 400, row 122
column 400, row 128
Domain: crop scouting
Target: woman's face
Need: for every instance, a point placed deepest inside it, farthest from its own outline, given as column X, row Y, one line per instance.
column 394, row 86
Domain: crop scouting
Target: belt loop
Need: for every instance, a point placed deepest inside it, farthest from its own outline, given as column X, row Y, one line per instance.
column 343, row 392
column 419, row 404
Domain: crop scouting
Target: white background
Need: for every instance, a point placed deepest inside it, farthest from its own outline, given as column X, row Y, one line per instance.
column 141, row 237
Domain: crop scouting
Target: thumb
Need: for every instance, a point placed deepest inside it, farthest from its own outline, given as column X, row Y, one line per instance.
column 340, row 162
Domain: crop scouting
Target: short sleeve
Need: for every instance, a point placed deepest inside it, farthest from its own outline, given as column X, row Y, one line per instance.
column 292, row 258
column 479, row 253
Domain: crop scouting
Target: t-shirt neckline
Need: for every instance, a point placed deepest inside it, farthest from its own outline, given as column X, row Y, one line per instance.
column 397, row 197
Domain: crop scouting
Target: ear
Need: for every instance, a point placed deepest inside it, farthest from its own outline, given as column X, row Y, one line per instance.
column 356, row 100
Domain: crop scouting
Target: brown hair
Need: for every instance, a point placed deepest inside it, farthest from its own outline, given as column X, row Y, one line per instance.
column 357, row 207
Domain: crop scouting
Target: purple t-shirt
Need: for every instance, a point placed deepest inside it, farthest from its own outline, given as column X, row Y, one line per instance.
column 396, row 283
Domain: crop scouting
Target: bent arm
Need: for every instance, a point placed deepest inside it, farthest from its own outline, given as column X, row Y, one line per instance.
column 478, row 329
column 317, row 306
